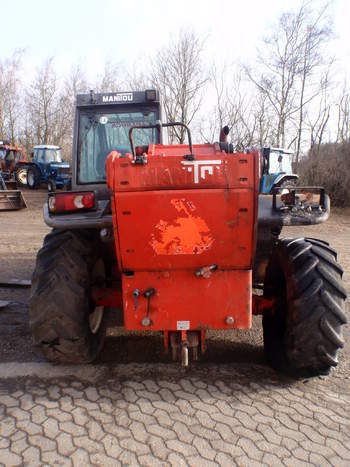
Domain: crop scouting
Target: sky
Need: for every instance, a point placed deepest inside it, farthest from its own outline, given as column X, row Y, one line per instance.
column 91, row 31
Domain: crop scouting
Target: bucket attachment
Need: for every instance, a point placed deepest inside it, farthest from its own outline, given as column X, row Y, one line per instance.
column 11, row 200
column 11, row 184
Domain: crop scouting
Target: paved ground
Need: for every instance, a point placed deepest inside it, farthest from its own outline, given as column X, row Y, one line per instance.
column 153, row 415
column 129, row 409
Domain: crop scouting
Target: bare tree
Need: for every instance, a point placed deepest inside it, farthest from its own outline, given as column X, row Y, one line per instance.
column 178, row 73
column 264, row 121
column 317, row 118
column 110, row 80
column 291, row 56
column 138, row 77
column 232, row 102
column 50, row 107
column 343, row 120
column 75, row 83
column 41, row 103
column 246, row 112
column 278, row 64
column 10, row 109
column 311, row 46
column 229, row 104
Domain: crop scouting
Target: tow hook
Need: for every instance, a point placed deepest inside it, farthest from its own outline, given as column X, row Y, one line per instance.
column 206, row 271
column 184, row 353
column 181, row 342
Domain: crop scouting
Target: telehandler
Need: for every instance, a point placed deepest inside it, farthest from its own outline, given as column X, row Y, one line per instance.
column 177, row 239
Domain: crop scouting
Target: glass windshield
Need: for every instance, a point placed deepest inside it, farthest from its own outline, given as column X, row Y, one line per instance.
column 280, row 163
column 53, row 155
column 101, row 133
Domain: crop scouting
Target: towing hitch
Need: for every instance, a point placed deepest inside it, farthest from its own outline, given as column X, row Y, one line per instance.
column 181, row 342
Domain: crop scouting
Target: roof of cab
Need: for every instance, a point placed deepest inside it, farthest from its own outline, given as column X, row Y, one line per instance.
column 46, row 146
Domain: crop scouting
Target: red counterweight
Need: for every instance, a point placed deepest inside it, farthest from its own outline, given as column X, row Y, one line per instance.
column 185, row 229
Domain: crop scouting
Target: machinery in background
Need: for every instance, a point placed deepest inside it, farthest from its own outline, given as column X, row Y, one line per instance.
column 11, row 158
column 277, row 171
column 47, row 167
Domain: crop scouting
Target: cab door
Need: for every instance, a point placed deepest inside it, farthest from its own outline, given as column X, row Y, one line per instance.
column 39, row 157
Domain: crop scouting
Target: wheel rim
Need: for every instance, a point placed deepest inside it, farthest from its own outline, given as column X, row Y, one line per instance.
column 30, row 178
column 98, row 277
column 95, row 319
column 22, row 177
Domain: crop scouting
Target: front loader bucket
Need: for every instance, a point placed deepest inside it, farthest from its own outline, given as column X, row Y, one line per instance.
column 11, row 184
column 11, row 200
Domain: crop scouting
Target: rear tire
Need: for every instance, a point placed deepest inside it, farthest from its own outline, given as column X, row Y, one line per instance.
column 33, row 178
column 21, row 176
column 60, row 302
column 51, row 185
column 303, row 333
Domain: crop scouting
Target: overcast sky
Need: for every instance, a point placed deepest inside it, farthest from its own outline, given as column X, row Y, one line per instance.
column 90, row 31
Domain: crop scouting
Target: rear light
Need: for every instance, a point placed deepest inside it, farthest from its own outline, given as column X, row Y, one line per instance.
column 151, row 94
column 70, row 202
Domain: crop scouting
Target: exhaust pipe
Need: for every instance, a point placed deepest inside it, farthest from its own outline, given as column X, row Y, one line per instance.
column 224, row 145
column 223, row 134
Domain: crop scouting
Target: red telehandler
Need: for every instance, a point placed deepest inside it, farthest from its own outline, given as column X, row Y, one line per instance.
column 177, row 239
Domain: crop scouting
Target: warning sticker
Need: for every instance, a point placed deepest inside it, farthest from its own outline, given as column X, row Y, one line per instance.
column 183, row 325
column 103, row 120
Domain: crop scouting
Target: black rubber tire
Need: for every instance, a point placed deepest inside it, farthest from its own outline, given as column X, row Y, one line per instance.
column 60, row 302
column 303, row 333
column 51, row 185
column 21, row 176
column 36, row 178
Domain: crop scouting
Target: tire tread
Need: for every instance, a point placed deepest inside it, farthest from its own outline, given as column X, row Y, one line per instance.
column 59, row 301
column 310, row 318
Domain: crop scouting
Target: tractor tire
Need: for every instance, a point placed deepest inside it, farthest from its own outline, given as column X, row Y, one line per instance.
column 303, row 332
column 33, row 178
column 21, row 176
column 51, row 185
column 60, row 304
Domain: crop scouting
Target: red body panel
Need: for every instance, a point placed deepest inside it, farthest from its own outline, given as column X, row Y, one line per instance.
column 173, row 217
column 186, row 302
column 167, row 169
column 182, row 229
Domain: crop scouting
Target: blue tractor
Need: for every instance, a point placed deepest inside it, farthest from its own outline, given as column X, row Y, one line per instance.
column 48, row 167
column 277, row 170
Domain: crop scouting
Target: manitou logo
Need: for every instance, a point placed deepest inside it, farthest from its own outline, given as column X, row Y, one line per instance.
column 123, row 97
column 201, row 168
